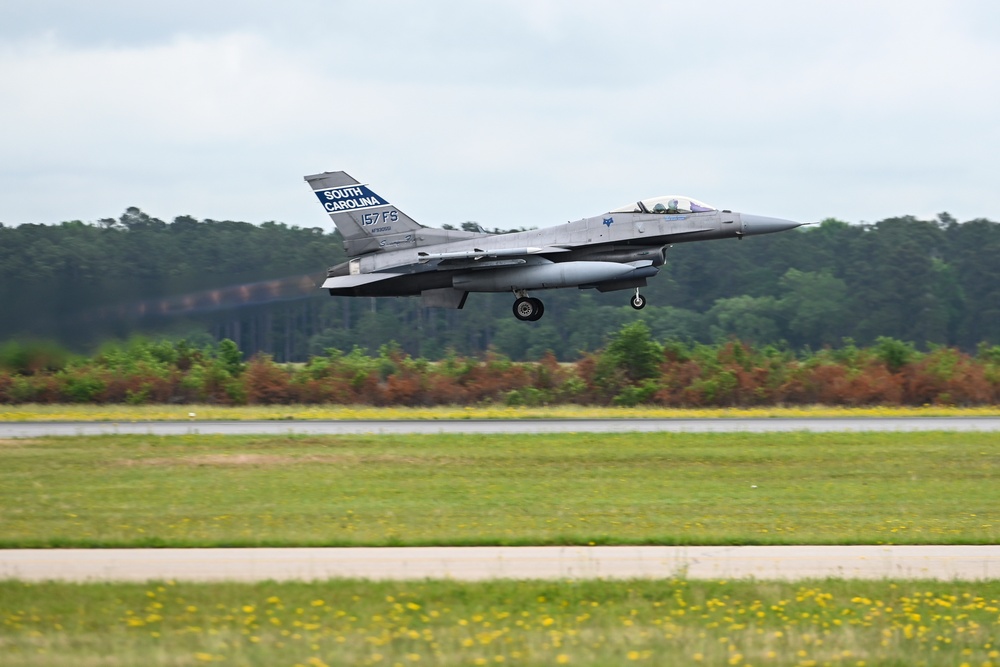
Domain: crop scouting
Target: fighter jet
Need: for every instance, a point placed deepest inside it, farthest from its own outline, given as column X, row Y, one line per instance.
column 390, row 254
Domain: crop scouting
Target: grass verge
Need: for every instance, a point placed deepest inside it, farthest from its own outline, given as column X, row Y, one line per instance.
column 830, row 622
column 129, row 413
column 773, row 488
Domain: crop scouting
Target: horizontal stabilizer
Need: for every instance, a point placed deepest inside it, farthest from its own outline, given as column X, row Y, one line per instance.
column 347, row 282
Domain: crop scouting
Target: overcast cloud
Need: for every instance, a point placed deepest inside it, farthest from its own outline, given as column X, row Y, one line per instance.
column 509, row 113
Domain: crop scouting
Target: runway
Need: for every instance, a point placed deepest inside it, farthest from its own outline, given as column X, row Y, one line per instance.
column 485, row 426
column 479, row 563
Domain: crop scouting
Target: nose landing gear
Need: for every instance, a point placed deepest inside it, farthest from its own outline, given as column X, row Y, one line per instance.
column 527, row 309
column 638, row 301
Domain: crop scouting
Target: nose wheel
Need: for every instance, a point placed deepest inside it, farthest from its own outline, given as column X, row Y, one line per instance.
column 638, row 301
column 528, row 309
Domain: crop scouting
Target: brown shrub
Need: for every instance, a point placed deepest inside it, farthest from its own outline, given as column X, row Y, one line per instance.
column 586, row 371
column 47, row 389
column 836, row 385
column 797, row 386
column 676, row 380
column 265, row 382
column 5, row 383
column 140, row 387
column 328, row 389
column 754, row 386
column 405, row 388
column 947, row 376
column 874, row 385
column 445, row 390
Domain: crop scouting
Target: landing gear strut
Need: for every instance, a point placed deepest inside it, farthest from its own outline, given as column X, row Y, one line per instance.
column 526, row 308
column 638, row 301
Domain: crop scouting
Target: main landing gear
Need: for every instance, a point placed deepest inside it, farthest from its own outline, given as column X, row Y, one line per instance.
column 526, row 308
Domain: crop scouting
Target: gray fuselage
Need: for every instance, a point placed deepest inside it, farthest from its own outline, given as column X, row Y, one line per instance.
column 622, row 238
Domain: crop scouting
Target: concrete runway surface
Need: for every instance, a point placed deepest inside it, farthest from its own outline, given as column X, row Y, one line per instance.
column 479, row 563
column 480, row 426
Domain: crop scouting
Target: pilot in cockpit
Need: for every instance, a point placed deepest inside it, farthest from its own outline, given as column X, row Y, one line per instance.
column 671, row 207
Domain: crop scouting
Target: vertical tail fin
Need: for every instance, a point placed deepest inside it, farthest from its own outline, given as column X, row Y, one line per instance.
column 367, row 221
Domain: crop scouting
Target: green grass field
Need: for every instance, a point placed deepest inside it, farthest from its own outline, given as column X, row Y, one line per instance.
column 797, row 488
column 537, row 489
column 676, row 622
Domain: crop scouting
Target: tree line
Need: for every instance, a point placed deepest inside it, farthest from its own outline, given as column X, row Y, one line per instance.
column 929, row 283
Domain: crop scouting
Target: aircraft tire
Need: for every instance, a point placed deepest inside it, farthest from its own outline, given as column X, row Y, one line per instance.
column 525, row 309
column 539, row 310
column 638, row 302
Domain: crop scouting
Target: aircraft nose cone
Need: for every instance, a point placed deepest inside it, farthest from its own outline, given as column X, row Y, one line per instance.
column 759, row 224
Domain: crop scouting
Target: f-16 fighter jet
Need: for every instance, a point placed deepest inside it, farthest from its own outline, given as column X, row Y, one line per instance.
column 390, row 254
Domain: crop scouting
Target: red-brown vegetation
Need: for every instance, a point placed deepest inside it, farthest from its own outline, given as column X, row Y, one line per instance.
column 632, row 370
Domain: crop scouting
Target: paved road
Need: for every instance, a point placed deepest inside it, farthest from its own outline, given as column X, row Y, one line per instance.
column 477, row 563
column 346, row 427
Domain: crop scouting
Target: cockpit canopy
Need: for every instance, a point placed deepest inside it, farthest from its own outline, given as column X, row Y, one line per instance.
column 668, row 204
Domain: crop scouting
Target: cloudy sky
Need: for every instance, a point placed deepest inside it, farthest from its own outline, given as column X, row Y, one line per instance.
column 507, row 112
